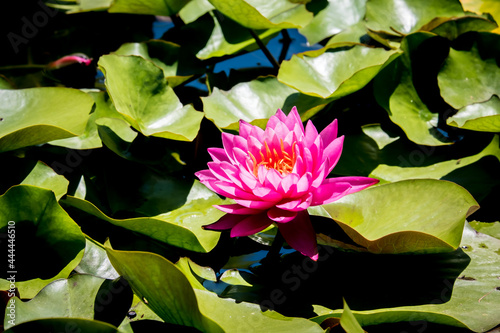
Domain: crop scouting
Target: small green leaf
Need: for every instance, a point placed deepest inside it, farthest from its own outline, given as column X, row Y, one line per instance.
column 258, row 14
column 150, row 7
column 378, row 135
column 451, row 28
column 228, row 37
column 488, row 228
column 337, row 16
column 195, row 9
column 406, row 16
column 233, row 276
column 466, row 78
column 482, row 117
column 140, row 93
column 39, row 115
column 43, row 176
column 164, row 55
column 95, row 261
column 335, row 70
column 418, row 216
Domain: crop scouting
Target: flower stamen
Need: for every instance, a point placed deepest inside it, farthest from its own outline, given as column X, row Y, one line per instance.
column 280, row 161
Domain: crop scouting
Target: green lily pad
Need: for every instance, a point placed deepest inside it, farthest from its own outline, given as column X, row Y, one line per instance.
column 181, row 227
column 335, row 70
column 104, row 114
column 451, row 28
column 378, row 135
column 257, row 100
column 391, row 173
column 491, row 7
column 394, row 218
column 488, row 228
column 43, row 176
column 39, row 115
column 229, row 37
column 95, row 261
column 63, row 324
column 167, row 291
column 82, row 6
column 164, row 55
column 474, row 299
column 47, row 239
column 73, row 297
column 466, row 78
column 140, row 93
column 406, row 16
column 258, row 14
column 153, row 7
column 195, row 9
column 329, row 22
column 482, row 117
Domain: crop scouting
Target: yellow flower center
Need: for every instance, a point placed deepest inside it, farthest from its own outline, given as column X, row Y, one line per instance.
column 280, row 161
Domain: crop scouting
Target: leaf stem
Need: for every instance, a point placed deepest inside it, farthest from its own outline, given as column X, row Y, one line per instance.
column 286, row 45
column 264, row 49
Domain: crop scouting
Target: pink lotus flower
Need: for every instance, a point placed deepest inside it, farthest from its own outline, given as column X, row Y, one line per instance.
column 275, row 175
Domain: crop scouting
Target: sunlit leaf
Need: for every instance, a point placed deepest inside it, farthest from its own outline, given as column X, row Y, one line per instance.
column 466, row 78
column 451, row 28
column 329, row 21
column 43, row 176
column 405, row 16
column 394, row 218
column 153, row 7
column 195, row 9
column 228, row 37
column 163, row 54
column 95, row 261
column 348, row 321
column 482, row 117
column 140, row 93
column 334, row 71
column 488, row 228
column 39, row 115
column 258, row 14
column 484, row 6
